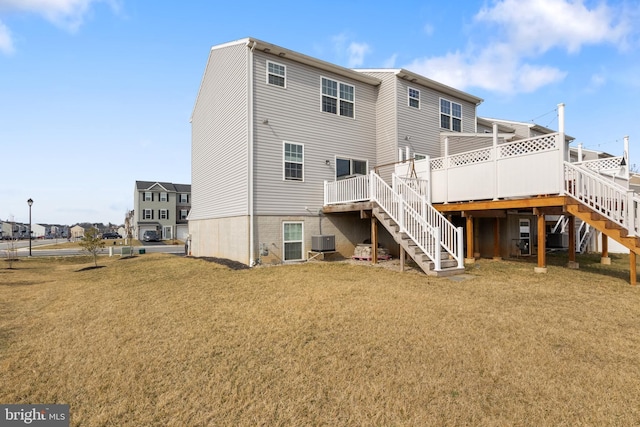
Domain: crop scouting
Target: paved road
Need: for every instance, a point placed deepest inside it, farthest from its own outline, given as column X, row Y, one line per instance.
column 38, row 248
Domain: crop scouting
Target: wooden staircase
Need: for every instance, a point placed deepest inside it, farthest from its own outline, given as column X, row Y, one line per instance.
column 448, row 265
column 603, row 224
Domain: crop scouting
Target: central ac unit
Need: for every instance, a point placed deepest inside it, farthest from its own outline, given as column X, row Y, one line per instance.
column 323, row 243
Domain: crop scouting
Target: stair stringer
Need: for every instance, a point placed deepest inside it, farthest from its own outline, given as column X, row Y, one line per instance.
column 448, row 265
column 603, row 225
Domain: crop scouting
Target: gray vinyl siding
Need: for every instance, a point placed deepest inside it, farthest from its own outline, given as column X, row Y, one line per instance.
column 422, row 126
column 219, row 174
column 294, row 114
column 386, row 115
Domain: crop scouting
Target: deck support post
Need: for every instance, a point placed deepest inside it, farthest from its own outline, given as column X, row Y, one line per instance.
column 632, row 268
column 402, row 258
column 469, row 259
column 572, row 243
column 604, row 259
column 496, row 240
column 374, row 239
column 542, row 243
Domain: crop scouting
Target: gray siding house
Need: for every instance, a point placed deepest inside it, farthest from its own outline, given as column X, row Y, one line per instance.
column 162, row 207
column 271, row 125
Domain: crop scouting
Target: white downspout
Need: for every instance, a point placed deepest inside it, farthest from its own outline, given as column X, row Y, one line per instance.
column 252, row 259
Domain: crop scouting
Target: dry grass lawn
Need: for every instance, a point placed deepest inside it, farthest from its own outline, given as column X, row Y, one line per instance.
column 161, row 340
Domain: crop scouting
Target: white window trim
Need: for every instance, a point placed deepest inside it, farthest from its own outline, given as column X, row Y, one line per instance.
column 337, row 98
column 165, row 212
column 144, row 196
column 164, row 196
column 284, row 242
column 268, row 73
column 186, row 198
column 451, row 116
column 409, row 97
column 186, row 213
column 285, row 161
column 144, row 214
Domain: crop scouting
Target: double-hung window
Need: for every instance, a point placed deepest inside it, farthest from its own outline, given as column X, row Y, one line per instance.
column 148, row 196
column 293, row 162
column 147, row 214
column 346, row 168
column 414, row 98
column 164, row 214
column 276, row 74
column 338, row 98
column 164, row 197
column 450, row 115
column 184, row 213
column 292, row 237
column 184, row 198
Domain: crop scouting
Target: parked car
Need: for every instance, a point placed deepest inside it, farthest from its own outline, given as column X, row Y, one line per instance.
column 150, row 236
column 111, row 235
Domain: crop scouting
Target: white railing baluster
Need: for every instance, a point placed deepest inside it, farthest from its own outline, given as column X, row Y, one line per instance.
column 612, row 200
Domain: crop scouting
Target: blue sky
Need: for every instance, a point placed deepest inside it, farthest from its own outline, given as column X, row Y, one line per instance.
column 96, row 94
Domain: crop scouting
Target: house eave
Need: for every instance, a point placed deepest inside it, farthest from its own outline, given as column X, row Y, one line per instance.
column 440, row 87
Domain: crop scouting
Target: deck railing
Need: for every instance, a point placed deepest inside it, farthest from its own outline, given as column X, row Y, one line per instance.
column 609, row 199
column 520, row 168
column 349, row 190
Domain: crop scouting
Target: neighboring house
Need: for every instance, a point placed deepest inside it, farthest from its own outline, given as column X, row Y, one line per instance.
column 39, row 230
column 162, row 207
column 77, row 232
column 292, row 156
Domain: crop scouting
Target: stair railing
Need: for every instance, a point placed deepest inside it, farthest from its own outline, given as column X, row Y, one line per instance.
column 451, row 238
column 585, row 231
column 609, row 199
column 420, row 221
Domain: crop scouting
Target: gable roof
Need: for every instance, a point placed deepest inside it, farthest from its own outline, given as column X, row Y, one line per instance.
column 166, row 186
column 532, row 126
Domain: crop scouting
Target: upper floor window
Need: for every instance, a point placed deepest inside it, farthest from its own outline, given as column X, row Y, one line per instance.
column 346, row 168
column 147, row 214
column 414, row 98
column 148, row 196
column 276, row 74
column 338, row 98
column 293, row 161
column 450, row 115
column 164, row 197
column 164, row 214
column 184, row 198
column 184, row 213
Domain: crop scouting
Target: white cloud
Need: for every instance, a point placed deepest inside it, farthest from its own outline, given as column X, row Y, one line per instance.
column 66, row 14
column 6, row 42
column 357, row 51
column 517, row 31
column 539, row 25
column 352, row 53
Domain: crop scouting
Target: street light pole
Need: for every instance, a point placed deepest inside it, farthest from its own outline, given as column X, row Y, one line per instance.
column 30, row 202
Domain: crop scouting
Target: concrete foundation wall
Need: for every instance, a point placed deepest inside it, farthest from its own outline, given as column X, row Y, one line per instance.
column 221, row 238
column 229, row 237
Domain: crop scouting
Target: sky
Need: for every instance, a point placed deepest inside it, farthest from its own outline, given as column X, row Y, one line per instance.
column 96, row 94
